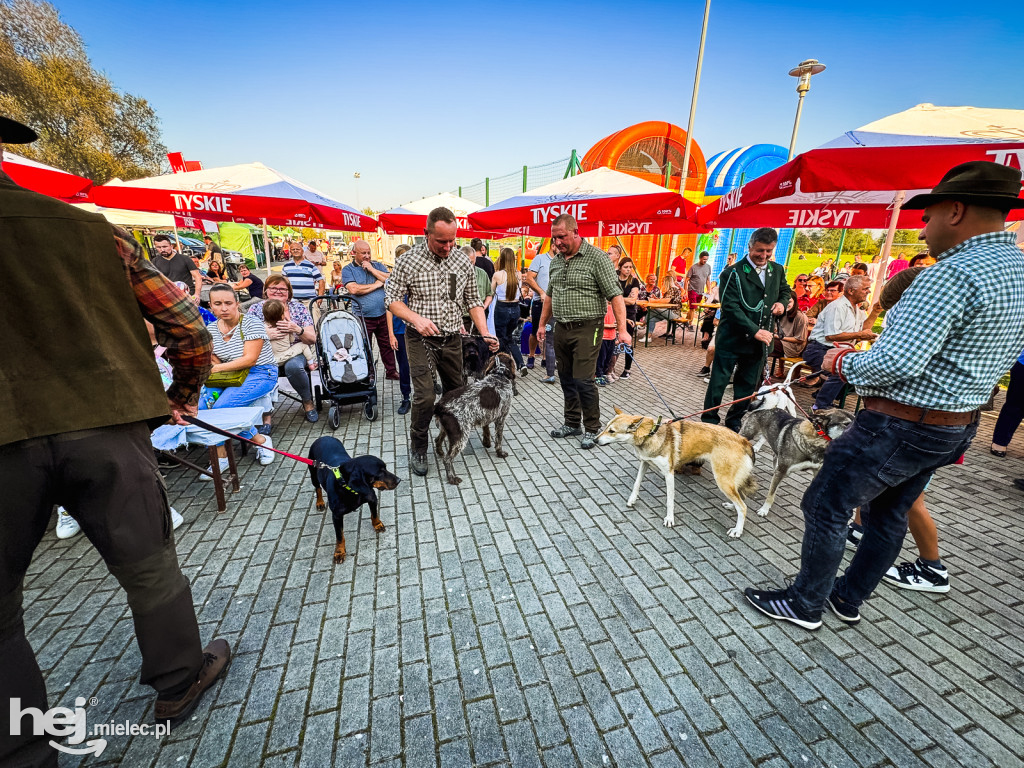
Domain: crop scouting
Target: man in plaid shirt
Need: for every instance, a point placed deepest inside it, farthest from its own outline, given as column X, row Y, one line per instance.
column 431, row 287
column 80, row 393
column 959, row 329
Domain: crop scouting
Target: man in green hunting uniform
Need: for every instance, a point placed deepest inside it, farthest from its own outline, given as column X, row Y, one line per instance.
column 753, row 292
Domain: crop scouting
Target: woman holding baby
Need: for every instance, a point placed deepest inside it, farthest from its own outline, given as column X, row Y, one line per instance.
column 295, row 327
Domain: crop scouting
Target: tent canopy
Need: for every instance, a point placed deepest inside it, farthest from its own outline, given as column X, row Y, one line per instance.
column 603, row 202
column 45, row 179
column 250, row 193
column 411, row 218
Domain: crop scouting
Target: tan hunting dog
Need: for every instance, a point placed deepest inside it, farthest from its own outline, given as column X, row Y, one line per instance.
column 673, row 445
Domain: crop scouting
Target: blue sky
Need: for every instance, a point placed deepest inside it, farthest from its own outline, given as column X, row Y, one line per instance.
column 419, row 101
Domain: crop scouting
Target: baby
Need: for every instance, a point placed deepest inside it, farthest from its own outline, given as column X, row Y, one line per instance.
column 285, row 348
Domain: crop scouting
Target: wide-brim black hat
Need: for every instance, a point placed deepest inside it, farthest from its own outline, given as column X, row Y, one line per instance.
column 13, row 132
column 978, row 182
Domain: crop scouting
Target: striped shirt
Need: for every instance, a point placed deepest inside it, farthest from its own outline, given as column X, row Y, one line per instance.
column 303, row 276
column 232, row 348
column 959, row 328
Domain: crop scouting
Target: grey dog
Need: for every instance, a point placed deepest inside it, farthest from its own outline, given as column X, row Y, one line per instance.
column 794, row 440
column 479, row 403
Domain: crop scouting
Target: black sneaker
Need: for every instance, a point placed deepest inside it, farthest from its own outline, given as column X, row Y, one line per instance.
column 624, row 375
column 704, row 371
column 854, row 533
column 846, row 612
column 918, row 576
column 418, row 462
column 404, row 407
column 566, row 431
column 776, row 604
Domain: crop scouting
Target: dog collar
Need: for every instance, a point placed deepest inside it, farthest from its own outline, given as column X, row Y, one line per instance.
column 337, row 476
column 657, row 426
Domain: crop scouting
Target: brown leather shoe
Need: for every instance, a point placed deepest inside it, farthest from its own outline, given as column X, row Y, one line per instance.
column 216, row 657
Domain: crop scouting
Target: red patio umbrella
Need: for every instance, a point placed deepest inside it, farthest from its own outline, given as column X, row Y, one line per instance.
column 250, row 193
column 411, row 218
column 604, row 202
column 45, row 179
column 859, row 178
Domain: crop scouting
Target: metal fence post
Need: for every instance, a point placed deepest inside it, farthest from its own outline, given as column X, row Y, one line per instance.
column 460, row 191
column 487, row 191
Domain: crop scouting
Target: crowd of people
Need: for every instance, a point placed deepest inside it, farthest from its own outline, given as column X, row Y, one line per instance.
column 922, row 382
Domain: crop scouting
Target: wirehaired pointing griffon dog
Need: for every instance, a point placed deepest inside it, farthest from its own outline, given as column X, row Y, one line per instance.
column 353, row 483
column 479, row 403
column 794, row 441
column 671, row 446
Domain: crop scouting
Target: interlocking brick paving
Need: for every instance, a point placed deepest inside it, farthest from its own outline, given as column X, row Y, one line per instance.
column 528, row 618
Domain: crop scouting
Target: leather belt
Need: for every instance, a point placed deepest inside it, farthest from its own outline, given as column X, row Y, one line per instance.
column 576, row 323
column 920, row 415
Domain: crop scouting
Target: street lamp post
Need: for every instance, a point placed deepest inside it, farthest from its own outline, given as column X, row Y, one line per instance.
column 356, row 177
column 804, row 70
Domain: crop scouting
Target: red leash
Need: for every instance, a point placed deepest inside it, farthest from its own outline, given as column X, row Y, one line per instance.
column 225, row 433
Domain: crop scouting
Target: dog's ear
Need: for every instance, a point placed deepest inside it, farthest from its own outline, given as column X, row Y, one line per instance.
column 618, row 411
column 356, row 477
column 635, row 424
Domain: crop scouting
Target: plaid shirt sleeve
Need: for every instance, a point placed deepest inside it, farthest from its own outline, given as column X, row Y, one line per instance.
column 178, row 324
column 607, row 280
column 928, row 311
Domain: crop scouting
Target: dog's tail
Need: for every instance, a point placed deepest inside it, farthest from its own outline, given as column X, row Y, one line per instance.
column 747, row 484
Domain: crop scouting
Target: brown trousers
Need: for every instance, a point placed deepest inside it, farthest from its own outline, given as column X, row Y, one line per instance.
column 444, row 353
column 108, row 481
column 576, row 349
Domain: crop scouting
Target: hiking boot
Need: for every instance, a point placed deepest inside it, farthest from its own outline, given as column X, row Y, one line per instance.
column 418, row 462
column 566, row 431
column 777, row 605
column 67, row 526
column 846, row 612
column 589, row 440
column 918, row 576
column 216, row 657
column 854, row 533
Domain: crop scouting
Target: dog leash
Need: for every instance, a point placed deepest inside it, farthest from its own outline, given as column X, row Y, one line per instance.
column 628, row 350
column 239, row 438
column 813, row 419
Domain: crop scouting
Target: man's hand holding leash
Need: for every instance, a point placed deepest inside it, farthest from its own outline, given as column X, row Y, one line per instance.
column 777, row 309
column 179, row 411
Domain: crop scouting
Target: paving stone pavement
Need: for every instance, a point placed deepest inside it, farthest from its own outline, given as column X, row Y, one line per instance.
column 528, row 618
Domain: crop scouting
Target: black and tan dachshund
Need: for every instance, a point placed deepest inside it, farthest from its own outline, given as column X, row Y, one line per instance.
column 353, row 484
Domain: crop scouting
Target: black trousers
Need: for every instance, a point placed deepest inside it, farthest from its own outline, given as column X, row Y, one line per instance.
column 108, row 481
column 746, row 367
column 577, row 346
column 446, row 354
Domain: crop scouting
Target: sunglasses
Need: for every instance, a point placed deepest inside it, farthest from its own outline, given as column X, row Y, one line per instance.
column 798, row 280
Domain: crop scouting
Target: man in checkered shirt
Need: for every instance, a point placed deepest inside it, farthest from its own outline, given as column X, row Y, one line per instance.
column 960, row 327
column 431, row 287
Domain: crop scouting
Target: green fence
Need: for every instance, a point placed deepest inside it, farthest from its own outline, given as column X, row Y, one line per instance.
column 493, row 189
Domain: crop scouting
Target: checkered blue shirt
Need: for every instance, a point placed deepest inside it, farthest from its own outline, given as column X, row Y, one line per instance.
column 960, row 327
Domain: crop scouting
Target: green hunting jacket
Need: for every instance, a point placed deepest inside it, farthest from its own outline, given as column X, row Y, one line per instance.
column 747, row 305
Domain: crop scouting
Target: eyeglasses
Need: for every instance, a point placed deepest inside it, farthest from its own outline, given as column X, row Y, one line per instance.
column 275, row 288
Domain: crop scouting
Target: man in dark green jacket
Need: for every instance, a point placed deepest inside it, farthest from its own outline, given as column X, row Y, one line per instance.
column 753, row 293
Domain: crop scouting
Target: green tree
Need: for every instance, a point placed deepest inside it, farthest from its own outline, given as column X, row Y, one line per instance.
column 85, row 125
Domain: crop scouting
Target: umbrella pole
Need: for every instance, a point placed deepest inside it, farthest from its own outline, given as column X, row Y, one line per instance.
column 886, row 255
column 266, row 245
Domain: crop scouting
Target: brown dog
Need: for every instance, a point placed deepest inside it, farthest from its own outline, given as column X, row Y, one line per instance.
column 672, row 446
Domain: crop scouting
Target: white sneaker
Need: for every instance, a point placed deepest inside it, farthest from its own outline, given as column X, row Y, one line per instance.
column 67, row 526
column 223, row 468
column 263, row 454
column 176, row 519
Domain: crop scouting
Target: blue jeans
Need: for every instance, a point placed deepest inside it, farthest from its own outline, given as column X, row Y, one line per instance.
column 404, row 377
column 882, row 460
column 295, row 370
column 814, row 353
column 506, row 323
column 261, row 381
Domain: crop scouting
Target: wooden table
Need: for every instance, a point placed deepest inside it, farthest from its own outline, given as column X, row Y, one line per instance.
column 650, row 304
column 700, row 307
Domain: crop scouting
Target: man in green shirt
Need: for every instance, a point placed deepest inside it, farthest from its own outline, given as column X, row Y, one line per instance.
column 753, row 292
column 582, row 282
